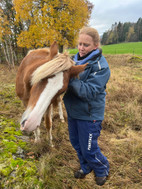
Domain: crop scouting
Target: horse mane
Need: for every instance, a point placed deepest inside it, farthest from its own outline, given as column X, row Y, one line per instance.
column 60, row 63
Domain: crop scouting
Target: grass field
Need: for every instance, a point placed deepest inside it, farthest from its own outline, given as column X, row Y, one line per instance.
column 134, row 48
column 123, row 48
column 26, row 165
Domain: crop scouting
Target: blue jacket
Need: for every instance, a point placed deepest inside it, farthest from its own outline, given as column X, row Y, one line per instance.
column 85, row 97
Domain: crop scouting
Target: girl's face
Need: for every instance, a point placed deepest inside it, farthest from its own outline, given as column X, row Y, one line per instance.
column 85, row 44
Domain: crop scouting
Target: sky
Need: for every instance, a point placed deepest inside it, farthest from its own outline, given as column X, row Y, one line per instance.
column 107, row 12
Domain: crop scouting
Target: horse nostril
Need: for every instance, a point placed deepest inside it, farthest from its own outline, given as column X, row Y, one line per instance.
column 23, row 122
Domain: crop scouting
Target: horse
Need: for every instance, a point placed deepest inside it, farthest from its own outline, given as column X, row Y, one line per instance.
column 41, row 79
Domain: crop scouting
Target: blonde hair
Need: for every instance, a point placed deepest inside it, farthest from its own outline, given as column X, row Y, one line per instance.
column 92, row 32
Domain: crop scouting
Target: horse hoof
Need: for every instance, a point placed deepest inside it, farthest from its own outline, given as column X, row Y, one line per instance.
column 62, row 120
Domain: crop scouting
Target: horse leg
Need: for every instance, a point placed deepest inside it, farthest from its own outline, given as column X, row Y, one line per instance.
column 48, row 124
column 60, row 110
column 37, row 135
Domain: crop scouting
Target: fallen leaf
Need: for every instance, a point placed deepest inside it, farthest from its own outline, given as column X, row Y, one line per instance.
column 30, row 153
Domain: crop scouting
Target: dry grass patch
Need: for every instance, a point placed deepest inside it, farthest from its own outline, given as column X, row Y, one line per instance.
column 120, row 141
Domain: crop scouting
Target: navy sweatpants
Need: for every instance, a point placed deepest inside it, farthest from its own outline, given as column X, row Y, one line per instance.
column 83, row 136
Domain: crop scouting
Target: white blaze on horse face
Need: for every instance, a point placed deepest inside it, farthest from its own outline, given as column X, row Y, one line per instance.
column 34, row 118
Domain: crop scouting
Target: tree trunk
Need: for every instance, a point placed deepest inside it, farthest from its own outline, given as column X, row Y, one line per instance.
column 12, row 54
column 5, row 53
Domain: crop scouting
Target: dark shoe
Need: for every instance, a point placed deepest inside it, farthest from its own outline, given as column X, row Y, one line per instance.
column 79, row 174
column 100, row 180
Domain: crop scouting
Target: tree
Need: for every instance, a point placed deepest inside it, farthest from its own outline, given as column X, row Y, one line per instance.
column 131, row 36
column 8, row 32
column 104, row 38
column 138, row 29
column 128, row 31
column 48, row 20
column 111, row 38
column 120, row 32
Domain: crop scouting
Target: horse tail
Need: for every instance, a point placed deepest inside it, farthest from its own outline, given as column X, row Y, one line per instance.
column 60, row 63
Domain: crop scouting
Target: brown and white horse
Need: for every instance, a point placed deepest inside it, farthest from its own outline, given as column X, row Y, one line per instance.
column 42, row 77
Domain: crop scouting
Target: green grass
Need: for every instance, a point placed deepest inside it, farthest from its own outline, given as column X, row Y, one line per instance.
column 72, row 51
column 121, row 48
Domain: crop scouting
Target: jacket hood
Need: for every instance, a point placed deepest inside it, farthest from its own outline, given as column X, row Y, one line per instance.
column 92, row 56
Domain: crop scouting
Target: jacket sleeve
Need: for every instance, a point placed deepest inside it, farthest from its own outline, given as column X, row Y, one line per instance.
column 95, row 83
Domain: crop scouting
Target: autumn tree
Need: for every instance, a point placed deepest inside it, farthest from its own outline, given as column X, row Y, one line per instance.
column 8, row 33
column 48, row 20
column 131, row 35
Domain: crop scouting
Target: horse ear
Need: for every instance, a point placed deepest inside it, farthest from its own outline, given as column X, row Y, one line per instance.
column 53, row 49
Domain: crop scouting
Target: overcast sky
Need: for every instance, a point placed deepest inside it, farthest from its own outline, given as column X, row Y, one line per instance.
column 107, row 12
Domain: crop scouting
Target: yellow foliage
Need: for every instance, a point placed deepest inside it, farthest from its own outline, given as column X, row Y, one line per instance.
column 48, row 20
column 4, row 23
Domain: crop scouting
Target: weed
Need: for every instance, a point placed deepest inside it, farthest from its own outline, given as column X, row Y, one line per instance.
column 135, row 59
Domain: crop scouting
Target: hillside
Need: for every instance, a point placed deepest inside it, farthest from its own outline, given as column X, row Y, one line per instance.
column 24, row 164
